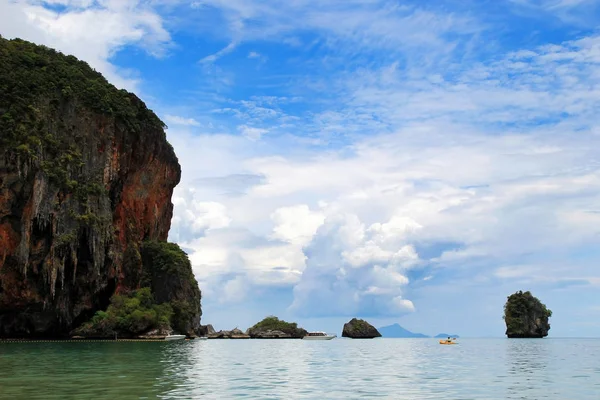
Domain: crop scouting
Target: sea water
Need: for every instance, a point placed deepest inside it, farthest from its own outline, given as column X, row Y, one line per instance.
column 296, row 369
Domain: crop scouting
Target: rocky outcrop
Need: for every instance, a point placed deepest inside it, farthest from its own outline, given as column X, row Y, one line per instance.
column 168, row 272
column 525, row 316
column 205, row 330
column 156, row 334
column 274, row 328
column 272, row 334
column 232, row 334
column 86, row 176
column 359, row 329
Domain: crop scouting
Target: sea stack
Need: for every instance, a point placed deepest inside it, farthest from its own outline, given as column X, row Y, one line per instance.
column 525, row 316
column 86, row 179
column 359, row 329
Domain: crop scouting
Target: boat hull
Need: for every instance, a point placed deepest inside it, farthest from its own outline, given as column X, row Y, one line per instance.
column 174, row 337
column 328, row 337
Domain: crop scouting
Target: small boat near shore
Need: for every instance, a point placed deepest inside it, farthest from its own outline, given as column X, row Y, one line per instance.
column 174, row 337
column 318, row 336
column 448, row 341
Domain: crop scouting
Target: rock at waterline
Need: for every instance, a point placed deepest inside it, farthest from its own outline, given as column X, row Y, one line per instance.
column 359, row 329
column 233, row 334
column 205, row 330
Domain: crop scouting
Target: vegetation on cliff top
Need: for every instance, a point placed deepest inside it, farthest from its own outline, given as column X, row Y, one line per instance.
column 526, row 316
column 168, row 258
column 39, row 88
column 29, row 72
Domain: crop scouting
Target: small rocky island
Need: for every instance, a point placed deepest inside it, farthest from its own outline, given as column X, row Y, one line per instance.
column 274, row 328
column 359, row 329
column 269, row 328
column 526, row 316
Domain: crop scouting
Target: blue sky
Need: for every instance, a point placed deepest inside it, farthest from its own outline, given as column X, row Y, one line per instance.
column 411, row 162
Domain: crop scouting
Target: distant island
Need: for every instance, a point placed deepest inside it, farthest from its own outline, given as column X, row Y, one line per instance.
column 397, row 331
column 526, row 316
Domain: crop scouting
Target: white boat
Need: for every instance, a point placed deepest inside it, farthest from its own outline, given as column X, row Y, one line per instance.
column 318, row 336
column 175, row 337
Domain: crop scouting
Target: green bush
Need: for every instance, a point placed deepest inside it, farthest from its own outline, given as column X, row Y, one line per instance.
column 131, row 314
column 169, row 298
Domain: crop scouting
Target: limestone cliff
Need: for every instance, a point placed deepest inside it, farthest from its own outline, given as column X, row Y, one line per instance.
column 86, row 175
column 526, row 316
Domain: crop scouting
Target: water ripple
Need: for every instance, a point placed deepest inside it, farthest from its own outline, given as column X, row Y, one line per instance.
column 339, row 369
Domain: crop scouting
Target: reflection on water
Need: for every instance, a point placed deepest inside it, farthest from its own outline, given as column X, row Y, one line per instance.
column 526, row 363
column 338, row 369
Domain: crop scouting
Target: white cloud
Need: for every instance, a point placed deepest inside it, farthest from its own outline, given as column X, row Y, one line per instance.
column 177, row 120
column 448, row 170
column 234, row 291
column 296, row 224
column 581, row 13
column 403, row 305
column 251, row 132
column 207, row 215
column 224, row 51
column 490, row 194
column 372, row 24
column 91, row 31
column 348, row 274
column 424, row 149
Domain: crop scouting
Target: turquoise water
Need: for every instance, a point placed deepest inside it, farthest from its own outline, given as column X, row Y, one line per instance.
column 296, row 369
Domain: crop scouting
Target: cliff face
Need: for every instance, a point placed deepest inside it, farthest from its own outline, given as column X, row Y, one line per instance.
column 525, row 316
column 86, row 175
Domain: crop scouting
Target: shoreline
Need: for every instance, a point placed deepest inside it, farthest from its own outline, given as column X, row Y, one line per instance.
column 78, row 340
column 70, row 340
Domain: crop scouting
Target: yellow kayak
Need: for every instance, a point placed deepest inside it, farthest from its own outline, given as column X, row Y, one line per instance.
column 447, row 342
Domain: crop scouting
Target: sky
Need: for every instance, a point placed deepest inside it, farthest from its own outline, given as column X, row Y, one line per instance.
column 404, row 162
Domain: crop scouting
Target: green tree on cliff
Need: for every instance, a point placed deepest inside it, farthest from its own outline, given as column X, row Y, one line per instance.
column 526, row 316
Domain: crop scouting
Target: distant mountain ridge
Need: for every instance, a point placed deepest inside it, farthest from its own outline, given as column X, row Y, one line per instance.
column 396, row 331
